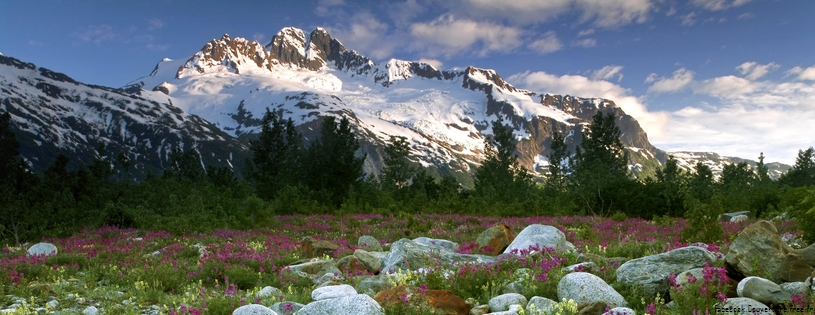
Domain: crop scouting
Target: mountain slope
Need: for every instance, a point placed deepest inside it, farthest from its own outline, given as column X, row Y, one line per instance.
column 445, row 115
column 53, row 113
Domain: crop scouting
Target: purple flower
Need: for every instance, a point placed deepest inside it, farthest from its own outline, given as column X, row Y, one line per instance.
column 651, row 308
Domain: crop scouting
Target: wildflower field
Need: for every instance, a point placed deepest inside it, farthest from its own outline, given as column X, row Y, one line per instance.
column 128, row 271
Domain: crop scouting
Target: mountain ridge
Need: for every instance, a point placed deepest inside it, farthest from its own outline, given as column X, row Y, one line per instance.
column 445, row 114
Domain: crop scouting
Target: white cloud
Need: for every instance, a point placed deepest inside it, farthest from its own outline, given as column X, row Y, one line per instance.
column 689, row 19
column 752, row 70
column 614, row 13
column 803, row 74
column 576, row 85
column 651, row 78
column 34, row 43
column 97, row 34
column 546, row 44
column 366, row 34
column 748, row 118
column 716, row 5
column 433, row 62
column 154, row 24
column 585, row 43
column 745, row 16
column 727, row 87
column 327, row 7
column 450, row 36
column 607, row 73
column 602, row 13
column 585, row 32
column 155, row 47
column 679, row 80
column 259, row 37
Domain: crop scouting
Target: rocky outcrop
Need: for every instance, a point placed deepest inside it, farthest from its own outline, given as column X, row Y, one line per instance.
column 540, row 237
column 359, row 304
column 442, row 301
column 759, row 251
column 584, row 287
column 495, row 239
column 651, row 272
column 46, row 249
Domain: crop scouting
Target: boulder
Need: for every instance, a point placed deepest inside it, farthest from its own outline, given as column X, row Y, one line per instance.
column 372, row 284
column 807, row 254
column 332, row 292
column 759, row 251
column 620, row 311
column 795, row 288
column 537, row 235
column 582, row 267
column 368, row 242
column 651, row 272
column 90, row 310
column 46, row 249
column 512, row 287
column 496, row 238
column 593, row 308
column 514, row 309
column 286, row 308
column 480, row 310
column 442, row 300
column 371, row 262
column 406, row 254
column 744, row 306
column 738, row 218
column 762, row 290
column 359, row 304
column 269, row 291
column 311, row 247
column 502, row 302
column 730, row 215
column 540, row 305
column 352, row 265
column 253, row 309
column 313, row 270
column 434, row 242
column 584, row 287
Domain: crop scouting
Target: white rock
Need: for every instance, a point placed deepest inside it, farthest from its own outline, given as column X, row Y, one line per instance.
column 504, row 301
column 620, row 311
column 269, row 291
column 333, row 292
column 253, row 309
column 52, row 304
column 370, row 243
column 359, row 304
column 540, row 236
column 90, row 310
column 514, row 309
column 584, row 287
column 540, row 305
column 46, row 249
column 738, row 218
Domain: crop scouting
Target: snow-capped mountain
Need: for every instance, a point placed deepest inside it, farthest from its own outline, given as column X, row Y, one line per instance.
column 214, row 100
column 687, row 161
column 53, row 114
column 444, row 114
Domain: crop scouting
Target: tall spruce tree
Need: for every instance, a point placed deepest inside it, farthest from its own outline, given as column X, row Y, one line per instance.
column 332, row 166
column 276, row 155
column 399, row 171
column 670, row 181
column 500, row 177
column 701, row 185
column 557, row 162
column 600, row 166
column 803, row 172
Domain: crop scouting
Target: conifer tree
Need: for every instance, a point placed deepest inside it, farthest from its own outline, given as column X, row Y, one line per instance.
column 557, row 162
column 331, row 165
column 803, row 172
column 276, row 155
column 500, row 176
column 600, row 165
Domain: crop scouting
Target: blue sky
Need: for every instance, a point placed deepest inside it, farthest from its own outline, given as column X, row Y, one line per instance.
column 735, row 77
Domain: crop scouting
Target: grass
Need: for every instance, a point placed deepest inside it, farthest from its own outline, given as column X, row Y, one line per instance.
column 126, row 271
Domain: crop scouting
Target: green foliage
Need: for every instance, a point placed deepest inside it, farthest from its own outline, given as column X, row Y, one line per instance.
column 600, row 166
column 500, row 178
column 803, row 172
column 619, row 216
column 703, row 225
column 276, row 156
column 398, row 172
column 331, row 165
column 557, row 163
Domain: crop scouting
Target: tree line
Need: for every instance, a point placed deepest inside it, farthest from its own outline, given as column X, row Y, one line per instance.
column 288, row 176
